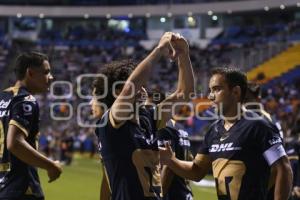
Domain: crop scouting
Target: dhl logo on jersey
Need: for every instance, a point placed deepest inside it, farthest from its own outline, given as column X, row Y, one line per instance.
column 224, row 147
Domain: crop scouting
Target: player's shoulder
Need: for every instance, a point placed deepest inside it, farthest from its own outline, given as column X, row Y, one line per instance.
column 259, row 124
column 19, row 94
column 255, row 120
column 174, row 125
column 13, row 96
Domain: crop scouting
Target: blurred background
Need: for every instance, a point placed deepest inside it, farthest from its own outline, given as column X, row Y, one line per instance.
column 260, row 37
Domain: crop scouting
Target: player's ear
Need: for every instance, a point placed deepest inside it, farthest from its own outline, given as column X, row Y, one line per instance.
column 29, row 72
column 236, row 90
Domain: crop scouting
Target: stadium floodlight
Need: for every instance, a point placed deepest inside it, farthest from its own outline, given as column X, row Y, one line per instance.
column 210, row 13
column 162, row 19
column 86, row 16
column 169, row 14
column 229, row 11
column 282, row 7
column 130, row 15
column 215, row 17
column 108, row 15
column 266, row 8
column 298, row 4
column 41, row 15
column 191, row 21
column 19, row 15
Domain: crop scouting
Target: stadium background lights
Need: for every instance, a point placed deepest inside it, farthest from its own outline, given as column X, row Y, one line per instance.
column 282, row 7
column 215, row 17
column 169, row 14
column 266, row 8
column 191, row 21
column 229, row 11
column 298, row 4
column 86, row 16
column 130, row 15
column 162, row 19
column 148, row 15
column 19, row 15
column 41, row 15
column 210, row 12
column 108, row 16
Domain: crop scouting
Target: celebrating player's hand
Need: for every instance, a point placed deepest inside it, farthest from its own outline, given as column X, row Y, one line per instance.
column 166, row 154
column 54, row 171
column 180, row 45
column 165, row 44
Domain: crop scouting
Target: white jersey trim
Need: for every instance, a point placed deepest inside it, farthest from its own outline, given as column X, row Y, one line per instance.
column 274, row 153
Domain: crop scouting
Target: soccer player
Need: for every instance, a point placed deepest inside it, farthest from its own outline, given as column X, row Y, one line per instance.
column 127, row 137
column 241, row 148
column 252, row 102
column 97, row 113
column 19, row 129
column 174, row 186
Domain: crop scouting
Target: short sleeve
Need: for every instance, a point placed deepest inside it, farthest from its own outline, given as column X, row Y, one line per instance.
column 24, row 115
column 204, row 148
column 270, row 142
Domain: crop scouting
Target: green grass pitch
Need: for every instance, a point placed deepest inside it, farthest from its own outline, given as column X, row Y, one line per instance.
column 81, row 181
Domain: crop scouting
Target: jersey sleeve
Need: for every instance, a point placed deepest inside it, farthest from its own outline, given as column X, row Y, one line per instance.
column 165, row 135
column 270, row 142
column 23, row 115
column 204, row 148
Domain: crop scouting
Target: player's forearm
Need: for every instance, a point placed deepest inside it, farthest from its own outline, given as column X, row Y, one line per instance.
column 140, row 75
column 166, row 178
column 186, row 76
column 283, row 182
column 22, row 150
column 122, row 108
column 185, row 169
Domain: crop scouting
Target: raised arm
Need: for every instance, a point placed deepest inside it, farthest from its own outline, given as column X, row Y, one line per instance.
column 122, row 108
column 185, row 83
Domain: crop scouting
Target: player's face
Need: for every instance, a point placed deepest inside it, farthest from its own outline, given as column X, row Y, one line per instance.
column 220, row 94
column 41, row 78
column 97, row 110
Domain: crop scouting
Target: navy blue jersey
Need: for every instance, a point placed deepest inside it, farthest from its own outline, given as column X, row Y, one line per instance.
column 241, row 157
column 18, row 108
column 131, row 159
column 178, row 139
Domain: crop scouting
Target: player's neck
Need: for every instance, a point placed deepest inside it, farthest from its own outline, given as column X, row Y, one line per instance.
column 229, row 124
column 231, row 117
column 22, row 83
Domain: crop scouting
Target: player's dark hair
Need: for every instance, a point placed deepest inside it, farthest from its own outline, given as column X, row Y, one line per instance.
column 28, row 60
column 114, row 71
column 234, row 77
